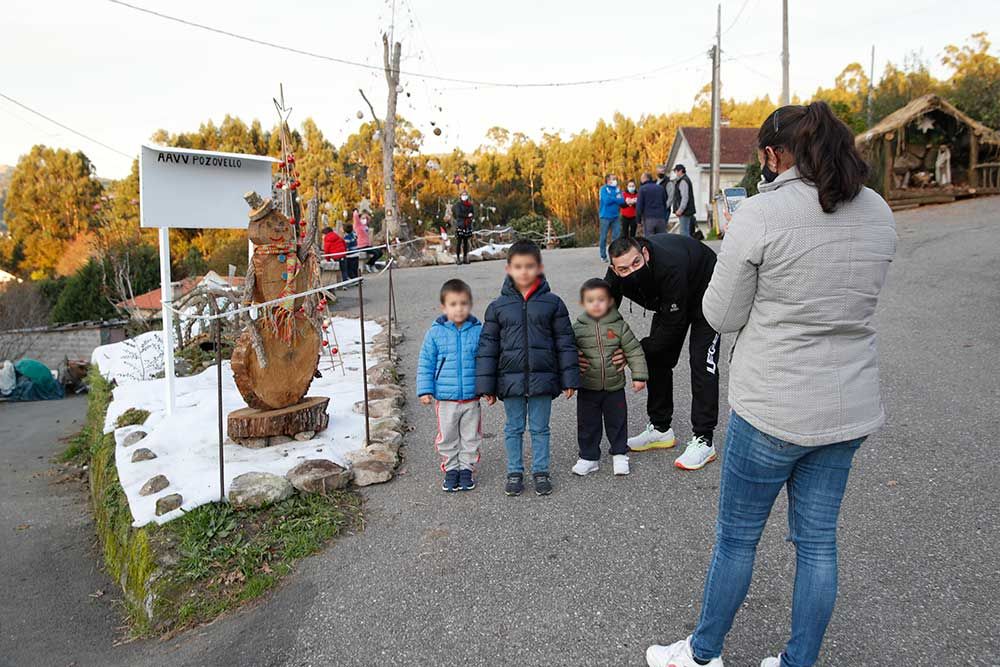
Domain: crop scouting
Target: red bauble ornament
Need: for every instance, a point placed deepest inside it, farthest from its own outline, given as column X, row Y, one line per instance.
column 334, row 350
column 325, row 342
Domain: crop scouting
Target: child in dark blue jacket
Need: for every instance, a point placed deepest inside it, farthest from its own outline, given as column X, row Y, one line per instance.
column 527, row 356
column 446, row 373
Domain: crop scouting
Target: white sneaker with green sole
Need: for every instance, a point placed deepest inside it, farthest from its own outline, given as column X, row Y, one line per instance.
column 650, row 438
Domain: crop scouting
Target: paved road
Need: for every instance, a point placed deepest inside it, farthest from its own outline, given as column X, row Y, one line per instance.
column 605, row 566
column 51, row 605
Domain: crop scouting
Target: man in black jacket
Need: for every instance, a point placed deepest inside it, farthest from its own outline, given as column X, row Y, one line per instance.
column 668, row 274
column 651, row 207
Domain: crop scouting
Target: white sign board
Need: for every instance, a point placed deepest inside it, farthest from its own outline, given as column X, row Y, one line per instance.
column 183, row 187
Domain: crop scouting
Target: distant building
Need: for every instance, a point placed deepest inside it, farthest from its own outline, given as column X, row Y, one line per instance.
column 149, row 304
column 693, row 149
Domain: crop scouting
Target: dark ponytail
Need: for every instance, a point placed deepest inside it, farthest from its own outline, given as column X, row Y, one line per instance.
column 823, row 148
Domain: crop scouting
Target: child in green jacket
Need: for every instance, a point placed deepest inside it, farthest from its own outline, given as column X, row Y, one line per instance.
column 600, row 331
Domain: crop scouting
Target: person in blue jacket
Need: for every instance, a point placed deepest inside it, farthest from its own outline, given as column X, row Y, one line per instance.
column 611, row 201
column 446, row 373
column 527, row 356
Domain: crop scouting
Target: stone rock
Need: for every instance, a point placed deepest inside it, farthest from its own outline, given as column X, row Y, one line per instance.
column 154, row 485
column 387, row 438
column 133, row 437
column 168, row 503
column 392, row 423
column 278, row 440
column 143, row 454
column 253, row 443
column 445, row 258
column 258, row 489
column 302, row 436
column 384, row 372
column 318, row 476
column 379, row 452
column 370, row 471
column 387, row 392
column 384, row 407
column 475, row 257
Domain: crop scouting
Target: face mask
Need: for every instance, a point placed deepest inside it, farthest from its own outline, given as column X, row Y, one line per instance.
column 613, row 184
column 631, row 188
column 768, row 174
column 465, row 197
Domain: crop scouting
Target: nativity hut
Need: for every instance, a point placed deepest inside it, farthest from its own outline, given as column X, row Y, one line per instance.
column 929, row 152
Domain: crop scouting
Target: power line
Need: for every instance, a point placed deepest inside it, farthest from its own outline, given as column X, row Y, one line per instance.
column 354, row 63
column 66, row 127
column 738, row 15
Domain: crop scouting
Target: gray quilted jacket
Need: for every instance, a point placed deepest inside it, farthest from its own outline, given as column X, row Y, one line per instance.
column 800, row 286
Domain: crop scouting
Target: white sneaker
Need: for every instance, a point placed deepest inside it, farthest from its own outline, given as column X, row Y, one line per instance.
column 585, row 467
column 650, row 438
column 771, row 662
column 697, row 455
column 620, row 463
column 677, row 654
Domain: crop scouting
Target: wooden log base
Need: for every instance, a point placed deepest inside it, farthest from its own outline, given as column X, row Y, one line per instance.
column 309, row 414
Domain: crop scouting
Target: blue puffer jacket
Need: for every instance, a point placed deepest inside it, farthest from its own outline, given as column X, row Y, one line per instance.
column 611, row 201
column 527, row 347
column 447, row 366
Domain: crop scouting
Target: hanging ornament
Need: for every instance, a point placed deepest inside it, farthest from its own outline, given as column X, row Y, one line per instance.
column 437, row 131
column 399, row 88
column 407, row 93
column 360, row 115
column 433, row 123
column 925, row 124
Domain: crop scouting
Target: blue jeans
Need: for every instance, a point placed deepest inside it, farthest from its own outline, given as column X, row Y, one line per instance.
column 755, row 468
column 615, row 225
column 536, row 410
column 685, row 225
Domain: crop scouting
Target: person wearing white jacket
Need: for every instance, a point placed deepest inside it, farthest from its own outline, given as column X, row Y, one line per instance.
column 798, row 280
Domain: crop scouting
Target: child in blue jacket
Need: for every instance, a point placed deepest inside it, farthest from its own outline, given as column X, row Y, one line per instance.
column 446, row 373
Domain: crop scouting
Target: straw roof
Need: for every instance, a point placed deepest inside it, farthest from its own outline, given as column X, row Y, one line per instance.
column 918, row 107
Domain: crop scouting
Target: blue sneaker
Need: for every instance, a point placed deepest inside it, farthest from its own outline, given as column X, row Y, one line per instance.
column 466, row 482
column 450, row 483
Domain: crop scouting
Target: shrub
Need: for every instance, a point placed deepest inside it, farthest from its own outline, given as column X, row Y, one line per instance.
column 84, row 297
column 533, row 226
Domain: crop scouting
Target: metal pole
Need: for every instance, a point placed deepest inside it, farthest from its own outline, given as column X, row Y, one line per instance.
column 364, row 356
column 871, row 84
column 166, row 297
column 218, row 382
column 785, row 95
column 390, row 308
column 716, row 109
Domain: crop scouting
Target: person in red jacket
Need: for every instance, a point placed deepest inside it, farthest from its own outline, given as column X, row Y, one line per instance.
column 335, row 249
column 628, row 210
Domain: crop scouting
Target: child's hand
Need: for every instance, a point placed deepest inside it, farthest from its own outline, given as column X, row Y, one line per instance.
column 568, row 393
column 638, row 386
column 490, row 399
column 426, row 399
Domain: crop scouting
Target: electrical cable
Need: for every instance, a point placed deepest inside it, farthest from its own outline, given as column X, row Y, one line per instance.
column 66, row 127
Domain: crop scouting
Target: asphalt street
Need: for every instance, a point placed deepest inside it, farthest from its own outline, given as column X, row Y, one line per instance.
column 605, row 566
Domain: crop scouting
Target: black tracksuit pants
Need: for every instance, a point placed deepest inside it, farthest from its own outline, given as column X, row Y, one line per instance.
column 663, row 349
column 462, row 256
column 597, row 408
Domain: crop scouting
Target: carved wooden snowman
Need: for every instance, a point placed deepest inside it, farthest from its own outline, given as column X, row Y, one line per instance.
column 275, row 358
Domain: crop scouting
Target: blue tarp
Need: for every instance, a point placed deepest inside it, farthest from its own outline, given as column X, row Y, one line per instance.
column 34, row 382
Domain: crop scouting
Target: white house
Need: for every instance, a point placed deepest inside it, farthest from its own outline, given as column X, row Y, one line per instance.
column 693, row 149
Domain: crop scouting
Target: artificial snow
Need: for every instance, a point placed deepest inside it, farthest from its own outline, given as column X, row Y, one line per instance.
column 492, row 248
column 186, row 443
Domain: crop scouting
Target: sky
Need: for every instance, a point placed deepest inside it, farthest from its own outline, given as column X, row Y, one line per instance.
column 118, row 75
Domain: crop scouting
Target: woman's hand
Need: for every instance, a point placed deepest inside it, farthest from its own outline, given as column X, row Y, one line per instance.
column 618, row 359
column 583, row 361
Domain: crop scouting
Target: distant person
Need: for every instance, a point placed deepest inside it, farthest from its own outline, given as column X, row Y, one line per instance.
column 600, row 404
column 651, row 206
column 446, row 376
column 363, row 231
column 610, row 201
column 351, row 260
column 335, row 250
column 683, row 201
column 527, row 357
column 799, row 278
column 629, row 222
column 463, row 213
column 665, row 182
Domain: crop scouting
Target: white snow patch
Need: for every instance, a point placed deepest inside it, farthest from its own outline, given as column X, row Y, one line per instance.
column 186, row 443
column 491, row 248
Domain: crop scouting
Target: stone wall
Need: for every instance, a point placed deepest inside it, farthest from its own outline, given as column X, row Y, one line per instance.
column 50, row 345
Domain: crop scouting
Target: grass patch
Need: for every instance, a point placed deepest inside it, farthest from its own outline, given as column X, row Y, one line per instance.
column 208, row 561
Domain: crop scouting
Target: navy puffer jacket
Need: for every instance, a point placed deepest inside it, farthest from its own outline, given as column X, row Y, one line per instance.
column 527, row 346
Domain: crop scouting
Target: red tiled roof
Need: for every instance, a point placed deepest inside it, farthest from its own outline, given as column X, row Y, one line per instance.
column 151, row 300
column 738, row 143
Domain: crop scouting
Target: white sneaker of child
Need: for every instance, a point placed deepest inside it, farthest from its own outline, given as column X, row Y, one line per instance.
column 584, row 467
column 621, row 464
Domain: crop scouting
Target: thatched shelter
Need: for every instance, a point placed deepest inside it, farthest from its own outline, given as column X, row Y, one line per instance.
column 929, row 152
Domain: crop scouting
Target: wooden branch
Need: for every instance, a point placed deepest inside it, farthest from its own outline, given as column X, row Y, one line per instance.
column 378, row 122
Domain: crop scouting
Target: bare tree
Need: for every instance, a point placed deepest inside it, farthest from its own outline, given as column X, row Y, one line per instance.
column 23, row 310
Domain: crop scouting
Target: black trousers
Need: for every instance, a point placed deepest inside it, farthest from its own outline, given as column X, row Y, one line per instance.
column 663, row 349
column 373, row 256
column 463, row 248
column 628, row 227
column 597, row 408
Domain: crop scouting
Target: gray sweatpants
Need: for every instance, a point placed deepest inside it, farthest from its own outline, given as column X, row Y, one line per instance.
column 460, row 432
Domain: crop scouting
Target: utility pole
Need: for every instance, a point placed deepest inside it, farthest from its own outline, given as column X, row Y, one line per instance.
column 785, row 97
column 716, row 108
column 871, row 84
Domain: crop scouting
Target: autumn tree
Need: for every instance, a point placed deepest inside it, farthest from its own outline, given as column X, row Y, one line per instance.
column 975, row 79
column 51, row 201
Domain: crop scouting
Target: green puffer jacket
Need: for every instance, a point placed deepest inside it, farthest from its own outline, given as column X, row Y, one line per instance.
column 597, row 341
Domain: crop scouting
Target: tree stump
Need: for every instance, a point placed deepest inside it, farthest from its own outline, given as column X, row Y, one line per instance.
column 308, row 415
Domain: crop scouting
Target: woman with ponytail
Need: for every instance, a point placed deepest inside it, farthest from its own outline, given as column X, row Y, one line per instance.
column 797, row 280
